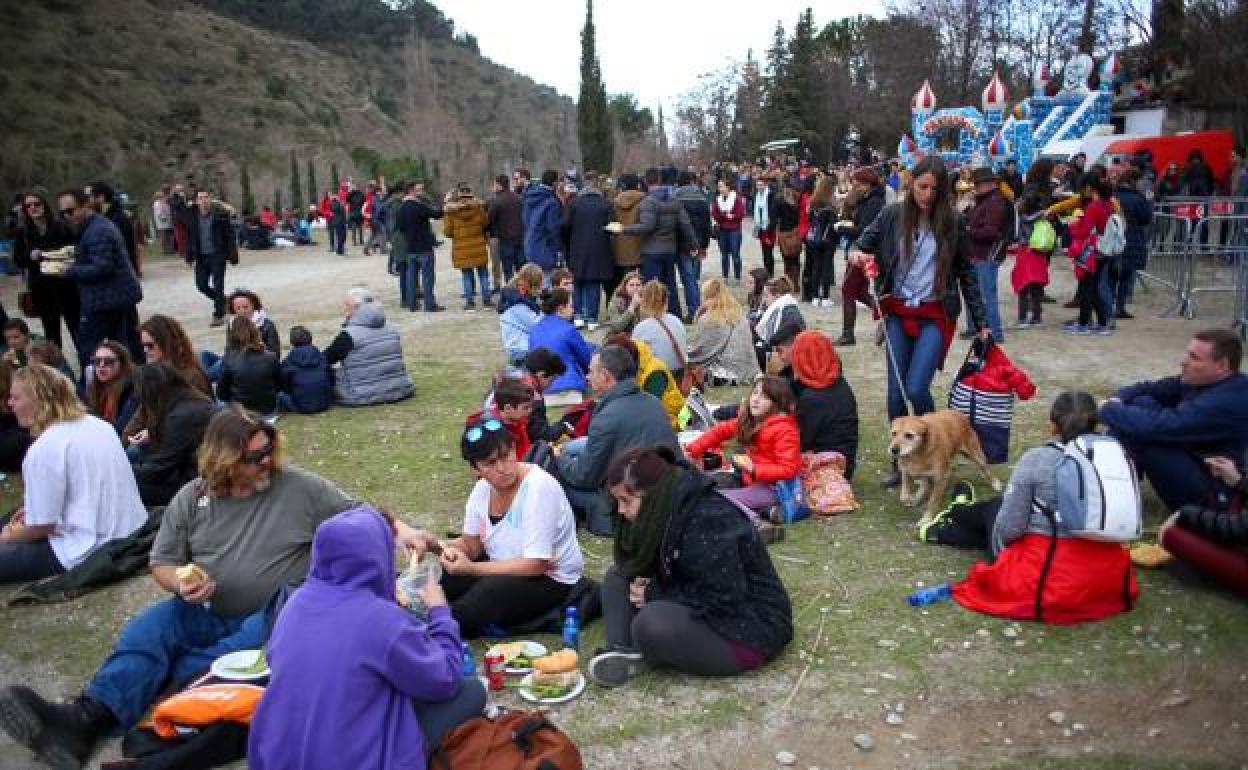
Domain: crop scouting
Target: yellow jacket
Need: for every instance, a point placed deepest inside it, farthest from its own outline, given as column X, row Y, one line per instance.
column 648, row 366
column 465, row 225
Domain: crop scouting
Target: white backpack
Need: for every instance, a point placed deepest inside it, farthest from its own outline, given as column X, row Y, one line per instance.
column 1113, row 241
column 1098, row 492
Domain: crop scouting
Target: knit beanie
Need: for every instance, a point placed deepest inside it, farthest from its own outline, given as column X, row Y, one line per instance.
column 815, row 361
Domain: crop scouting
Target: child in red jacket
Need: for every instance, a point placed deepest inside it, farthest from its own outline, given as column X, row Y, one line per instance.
column 768, row 431
column 512, row 404
column 1089, row 266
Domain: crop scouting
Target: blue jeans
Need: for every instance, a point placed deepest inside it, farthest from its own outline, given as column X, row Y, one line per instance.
column 730, row 252
column 663, row 268
column 510, row 254
column 1179, row 477
column 422, row 265
column 20, row 562
column 1123, row 291
column 588, row 300
column 338, row 238
column 917, row 360
column 1106, row 287
column 470, row 280
column 170, row 640
column 213, row 365
column 986, row 273
column 691, row 276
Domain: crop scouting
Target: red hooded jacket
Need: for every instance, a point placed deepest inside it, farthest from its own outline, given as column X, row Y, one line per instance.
column 776, row 450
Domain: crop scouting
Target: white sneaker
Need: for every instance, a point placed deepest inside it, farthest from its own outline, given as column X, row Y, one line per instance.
column 578, row 323
column 592, row 326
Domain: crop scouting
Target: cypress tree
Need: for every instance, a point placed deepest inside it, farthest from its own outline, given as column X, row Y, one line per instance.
column 314, row 195
column 277, row 201
column 244, row 181
column 593, row 121
column 333, row 178
column 296, row 189
column 661, row 127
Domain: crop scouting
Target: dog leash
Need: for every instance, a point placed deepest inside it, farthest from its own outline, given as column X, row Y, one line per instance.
column 888, row 351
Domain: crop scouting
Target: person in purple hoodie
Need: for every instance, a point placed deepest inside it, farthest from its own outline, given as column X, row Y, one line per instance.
column 358, row 681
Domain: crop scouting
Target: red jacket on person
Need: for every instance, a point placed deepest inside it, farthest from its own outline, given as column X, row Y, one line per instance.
column 776, row 450
column 519, row 430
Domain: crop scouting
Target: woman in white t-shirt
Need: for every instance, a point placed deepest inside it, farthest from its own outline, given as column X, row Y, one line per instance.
column 80, row 491
column 518, row 557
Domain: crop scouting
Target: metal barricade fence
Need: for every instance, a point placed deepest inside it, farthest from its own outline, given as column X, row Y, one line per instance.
column 1218, row 246
column 1169, row 258
column 1241, row 298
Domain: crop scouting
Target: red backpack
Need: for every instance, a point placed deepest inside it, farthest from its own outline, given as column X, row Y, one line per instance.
column 514, row 740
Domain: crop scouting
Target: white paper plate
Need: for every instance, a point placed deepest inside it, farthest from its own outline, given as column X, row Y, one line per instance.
column 230, row 666
column 531, row 650
column 531, row 697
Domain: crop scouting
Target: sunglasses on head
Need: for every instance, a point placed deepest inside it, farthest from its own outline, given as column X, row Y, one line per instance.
column 474, row 434
column 256, row 456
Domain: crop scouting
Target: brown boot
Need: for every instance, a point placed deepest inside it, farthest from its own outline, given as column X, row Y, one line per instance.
column 849, row 318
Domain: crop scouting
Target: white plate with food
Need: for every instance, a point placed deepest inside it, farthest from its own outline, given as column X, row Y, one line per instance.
column 559, row 688
column 518, row 657
column 241, row 666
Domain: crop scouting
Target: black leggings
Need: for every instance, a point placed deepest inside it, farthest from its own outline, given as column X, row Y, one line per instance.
column 821, row 263
column 503, row 600
column 1089, row 296
column 1029, row 302
column 665, row 633
column 970, row 525
column 769, row 258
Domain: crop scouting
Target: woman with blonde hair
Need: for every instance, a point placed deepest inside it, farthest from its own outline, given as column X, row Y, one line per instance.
column 79, row 491
column 662, row 331
column 518, row 311
column 722, row 341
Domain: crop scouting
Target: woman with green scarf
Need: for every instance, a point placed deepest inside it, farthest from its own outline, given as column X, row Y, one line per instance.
column 692, row 587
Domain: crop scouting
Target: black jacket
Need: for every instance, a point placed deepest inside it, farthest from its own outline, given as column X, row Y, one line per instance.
column 883, row 239
column 712, row 561
column 117, row 216
column 225, row 245
column 163, row 469
column 57, row 235
column 868, row 208
column 413, row 221
column 699, row 210
column 827, row 419
column 585, row 239
column 252, row 379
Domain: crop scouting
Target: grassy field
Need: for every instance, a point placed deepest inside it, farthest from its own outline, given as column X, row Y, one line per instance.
column 1160, row 687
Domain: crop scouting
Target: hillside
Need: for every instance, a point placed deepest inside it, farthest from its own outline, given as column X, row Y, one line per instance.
column 144, row 91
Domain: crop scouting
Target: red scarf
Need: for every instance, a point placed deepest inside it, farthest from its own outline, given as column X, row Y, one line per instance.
column 911, row 318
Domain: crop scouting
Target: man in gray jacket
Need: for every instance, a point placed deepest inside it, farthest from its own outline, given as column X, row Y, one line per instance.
column 370, row 355
column 623, row 418
column 666, row 233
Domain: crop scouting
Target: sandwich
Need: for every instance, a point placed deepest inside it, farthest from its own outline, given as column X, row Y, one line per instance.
column 191, row 575
column 554, row 675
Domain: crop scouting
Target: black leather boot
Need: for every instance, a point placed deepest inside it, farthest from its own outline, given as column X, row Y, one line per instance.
column 61, row 735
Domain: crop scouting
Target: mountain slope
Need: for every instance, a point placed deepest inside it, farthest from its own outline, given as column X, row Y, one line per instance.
column 145, row 91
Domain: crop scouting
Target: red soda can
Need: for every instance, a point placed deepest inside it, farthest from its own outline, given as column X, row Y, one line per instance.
column 495, row 673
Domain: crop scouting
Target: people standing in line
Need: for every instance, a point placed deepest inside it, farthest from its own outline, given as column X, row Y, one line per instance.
column 691, row 195
column 543, row 219
column 465, row 225
column 162, row 220
column 920, row 254
column 867, row 196
column 506, row 225
column 413, row 220
column 987, row 231
column 337, row 220
column 211, row 245
column 1198, row 179
column 627, row 206
column 355, row 213
column 728, row 211
column 588, row 246
column 55, row 296
column 108, row 289
column 104, row 201
column 664, row 226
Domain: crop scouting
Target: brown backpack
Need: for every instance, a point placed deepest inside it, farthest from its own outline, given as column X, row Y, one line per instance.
column 514, row 740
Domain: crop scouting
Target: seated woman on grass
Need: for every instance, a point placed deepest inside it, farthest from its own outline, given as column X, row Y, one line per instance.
column 252, row 375
column 1083, row 579
column 518, row 311
column 358, row 681
column 79, row 491
column 518, row 557
column 692, row 587
column 110, row 393
column 556, row 332
column 163, row 455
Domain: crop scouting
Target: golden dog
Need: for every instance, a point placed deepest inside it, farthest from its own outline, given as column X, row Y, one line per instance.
column 925, row 447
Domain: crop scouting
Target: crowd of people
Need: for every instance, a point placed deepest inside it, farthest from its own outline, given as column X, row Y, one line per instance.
column 146, row 426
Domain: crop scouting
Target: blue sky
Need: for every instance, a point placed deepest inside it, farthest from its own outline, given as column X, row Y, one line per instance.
column 655, row 49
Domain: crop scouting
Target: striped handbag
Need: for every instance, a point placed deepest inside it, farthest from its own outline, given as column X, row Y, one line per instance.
column 991, row 414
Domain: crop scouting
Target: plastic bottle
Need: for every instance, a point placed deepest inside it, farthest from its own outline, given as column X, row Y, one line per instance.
column 571, row 629
column 930, row 595
column 470, row 663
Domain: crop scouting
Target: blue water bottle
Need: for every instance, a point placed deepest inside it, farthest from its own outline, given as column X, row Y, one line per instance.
column 930, row 595
column 470, row 663
column 571, row 630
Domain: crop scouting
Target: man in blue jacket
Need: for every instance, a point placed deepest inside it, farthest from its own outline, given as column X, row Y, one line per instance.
column 108, row 289
column 543, row 224
column 1171, row 427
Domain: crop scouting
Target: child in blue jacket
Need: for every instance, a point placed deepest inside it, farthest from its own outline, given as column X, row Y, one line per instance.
column 307, row 387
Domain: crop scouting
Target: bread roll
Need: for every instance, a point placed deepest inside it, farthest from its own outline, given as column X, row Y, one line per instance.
column 191, row 574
